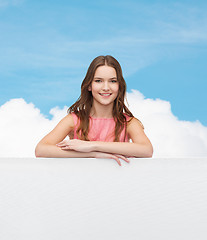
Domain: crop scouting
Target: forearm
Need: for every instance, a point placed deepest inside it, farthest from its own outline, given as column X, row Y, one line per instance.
column 124, row 148
column 52, row 151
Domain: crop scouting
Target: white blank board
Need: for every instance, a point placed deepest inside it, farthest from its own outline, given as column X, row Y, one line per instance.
column 50, row 199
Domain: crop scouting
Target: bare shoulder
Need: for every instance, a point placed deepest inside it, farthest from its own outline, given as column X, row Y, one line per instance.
column 67, row 120
column 65, row 125
column 134, row 122
column 135, row 131
column 61, row 130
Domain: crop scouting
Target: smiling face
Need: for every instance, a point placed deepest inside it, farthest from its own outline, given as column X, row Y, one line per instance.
column 104, row 86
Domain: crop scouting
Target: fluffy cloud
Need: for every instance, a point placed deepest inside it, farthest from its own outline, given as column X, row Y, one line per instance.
column 22, row 126
column 170, row 136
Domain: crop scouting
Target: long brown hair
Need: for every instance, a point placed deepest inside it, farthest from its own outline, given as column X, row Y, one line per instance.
column 82, row 107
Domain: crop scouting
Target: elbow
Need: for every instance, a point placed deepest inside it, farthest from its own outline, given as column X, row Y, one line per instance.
column 38, row 152
column 44, row 150
column 144, row 151
column 149, row 153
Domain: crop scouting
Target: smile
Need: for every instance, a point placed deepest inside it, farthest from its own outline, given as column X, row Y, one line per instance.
column 105, row 94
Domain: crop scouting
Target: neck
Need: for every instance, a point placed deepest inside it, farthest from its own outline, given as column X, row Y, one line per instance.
column 101, row 111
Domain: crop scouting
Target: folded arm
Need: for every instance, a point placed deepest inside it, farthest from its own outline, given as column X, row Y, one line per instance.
column 48, row 148
column 139, row 147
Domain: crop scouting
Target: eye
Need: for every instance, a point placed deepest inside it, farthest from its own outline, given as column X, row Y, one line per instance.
column 97, row 80
column 114, row 81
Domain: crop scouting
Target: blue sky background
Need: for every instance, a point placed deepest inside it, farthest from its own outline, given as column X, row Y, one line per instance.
column 47, row 46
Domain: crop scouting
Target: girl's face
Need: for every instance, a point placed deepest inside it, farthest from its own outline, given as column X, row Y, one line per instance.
column 104, row 86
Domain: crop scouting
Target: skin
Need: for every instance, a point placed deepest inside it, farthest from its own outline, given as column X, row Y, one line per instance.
column 104, row 82
column 104, row 89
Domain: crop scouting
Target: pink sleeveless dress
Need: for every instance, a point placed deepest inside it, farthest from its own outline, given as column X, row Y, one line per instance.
column 101, row 129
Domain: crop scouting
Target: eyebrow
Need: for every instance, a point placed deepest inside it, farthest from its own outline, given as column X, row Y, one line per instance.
column 102, row 78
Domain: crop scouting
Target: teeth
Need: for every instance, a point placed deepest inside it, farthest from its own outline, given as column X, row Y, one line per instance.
column 105, row 94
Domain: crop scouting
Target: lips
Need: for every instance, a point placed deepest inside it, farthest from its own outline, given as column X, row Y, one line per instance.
column 105, row 94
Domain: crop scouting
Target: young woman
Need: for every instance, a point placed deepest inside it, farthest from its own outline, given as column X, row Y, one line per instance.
column 98, row 123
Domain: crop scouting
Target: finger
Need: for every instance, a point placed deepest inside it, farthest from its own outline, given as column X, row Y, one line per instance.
column 117, row 159
column 108, row 155
column 123, row 158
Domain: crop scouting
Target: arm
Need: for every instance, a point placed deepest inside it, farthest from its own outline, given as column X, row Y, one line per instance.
column 140, row 146
column 47, row 146
column 52, row 151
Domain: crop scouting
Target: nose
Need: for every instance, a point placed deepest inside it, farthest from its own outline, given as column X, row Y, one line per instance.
column 106, row 86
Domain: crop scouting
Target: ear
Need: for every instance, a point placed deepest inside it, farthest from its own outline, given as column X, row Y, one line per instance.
column 89, row 88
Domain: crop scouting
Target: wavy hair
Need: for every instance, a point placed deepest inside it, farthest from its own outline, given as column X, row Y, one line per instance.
column 82, row 107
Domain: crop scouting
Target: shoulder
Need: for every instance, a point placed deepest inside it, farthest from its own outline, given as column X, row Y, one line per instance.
column 135, row 130
column 65, row 126
column 134, row 125
column 62, row 129
column 132, row 121
column 67, row 121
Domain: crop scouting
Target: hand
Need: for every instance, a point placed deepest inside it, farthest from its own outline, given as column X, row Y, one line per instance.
column 76, row 145
column 112, row 156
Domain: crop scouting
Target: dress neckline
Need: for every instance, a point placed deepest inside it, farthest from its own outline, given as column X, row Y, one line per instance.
column 97, row 118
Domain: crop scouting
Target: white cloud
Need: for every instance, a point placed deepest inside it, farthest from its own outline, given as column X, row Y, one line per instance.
column 170, row 136
column 22, row 126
